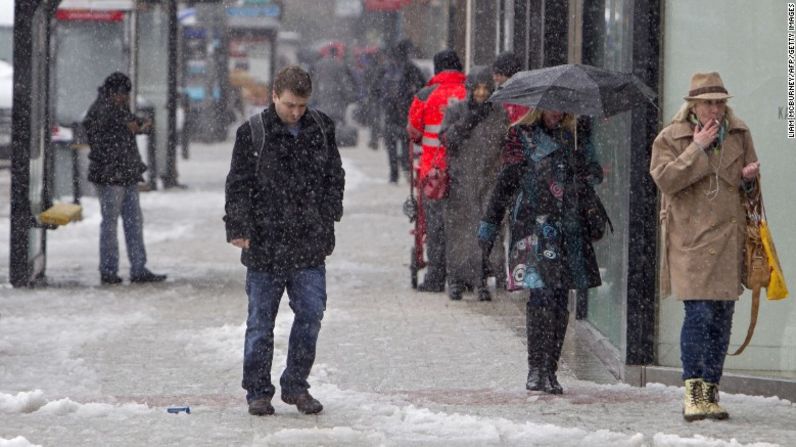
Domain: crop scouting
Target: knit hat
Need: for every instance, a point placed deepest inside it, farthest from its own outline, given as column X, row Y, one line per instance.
column 480, row 74
column 117, row 82
column 507, row 64
column 447, row 60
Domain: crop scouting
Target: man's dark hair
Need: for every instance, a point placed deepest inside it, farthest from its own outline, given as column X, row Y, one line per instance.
column 117, row 82
column 295, row 79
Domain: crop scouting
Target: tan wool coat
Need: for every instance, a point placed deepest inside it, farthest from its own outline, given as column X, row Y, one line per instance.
column 702, row 237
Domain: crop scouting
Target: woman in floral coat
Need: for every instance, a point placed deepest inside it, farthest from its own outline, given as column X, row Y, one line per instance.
column 549, row 252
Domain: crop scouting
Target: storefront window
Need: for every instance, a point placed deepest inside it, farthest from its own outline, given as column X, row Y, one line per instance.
column 747, row 44
column 609, row 30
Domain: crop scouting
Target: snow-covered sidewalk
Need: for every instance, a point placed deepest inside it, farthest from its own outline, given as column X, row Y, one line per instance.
column 85, row 365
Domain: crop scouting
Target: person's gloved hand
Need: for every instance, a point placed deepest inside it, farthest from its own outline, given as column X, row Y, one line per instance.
column 475, row 115
column 487, row 232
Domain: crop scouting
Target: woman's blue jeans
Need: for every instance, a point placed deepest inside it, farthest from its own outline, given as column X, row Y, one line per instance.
column 705, row 337
column 121, row 201
column 306, row 290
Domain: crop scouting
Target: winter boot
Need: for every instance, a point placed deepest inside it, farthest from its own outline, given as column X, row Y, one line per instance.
column 534, row 328
column 455, row 291
column 694, row 408
column 483, row 294
column 431, row 284
column 557, row 320
column 304, row 402
column 710, row 393
column 261, row 407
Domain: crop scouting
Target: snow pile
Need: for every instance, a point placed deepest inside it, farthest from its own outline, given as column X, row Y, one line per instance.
column 662, row 440
column 23, row 402
column 35, row 402
column 19, row 441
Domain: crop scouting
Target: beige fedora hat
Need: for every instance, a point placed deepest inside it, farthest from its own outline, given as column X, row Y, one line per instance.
column 707, row 86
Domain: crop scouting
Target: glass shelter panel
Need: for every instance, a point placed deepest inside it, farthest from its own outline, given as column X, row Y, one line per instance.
column 611, row 48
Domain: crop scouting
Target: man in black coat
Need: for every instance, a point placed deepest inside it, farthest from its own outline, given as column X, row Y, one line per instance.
column 115, row 168
column 284, row 191
column 400, row 81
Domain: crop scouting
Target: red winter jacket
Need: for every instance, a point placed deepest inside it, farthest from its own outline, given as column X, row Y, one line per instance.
column 426, row 113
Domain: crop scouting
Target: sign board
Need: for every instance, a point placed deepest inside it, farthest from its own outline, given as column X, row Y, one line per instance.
column 98, row 5
column 85, row 14
column 348, row 8
column 385, row 5
column 269, row 10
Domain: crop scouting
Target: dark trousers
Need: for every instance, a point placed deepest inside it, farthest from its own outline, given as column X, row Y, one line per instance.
column 435, row 240
column 546, row 325
column 395, row 141
column 306, row 289
column 705, row 337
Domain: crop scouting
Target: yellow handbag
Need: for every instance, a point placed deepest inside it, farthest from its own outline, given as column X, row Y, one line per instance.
column 761, row 264
column 776, row 289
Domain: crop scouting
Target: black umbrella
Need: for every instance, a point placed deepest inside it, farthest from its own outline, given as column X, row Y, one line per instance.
column 576, row 89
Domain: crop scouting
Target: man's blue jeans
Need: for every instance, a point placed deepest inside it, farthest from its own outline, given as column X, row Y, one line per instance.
column 115, row 201
column 704, row 338
column 306, row 289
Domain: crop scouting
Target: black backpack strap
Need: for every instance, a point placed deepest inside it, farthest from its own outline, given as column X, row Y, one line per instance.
column 314, row 116
column 257, row 127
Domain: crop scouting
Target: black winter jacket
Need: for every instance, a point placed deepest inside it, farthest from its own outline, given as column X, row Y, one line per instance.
column 288, row 208
column 114, row 157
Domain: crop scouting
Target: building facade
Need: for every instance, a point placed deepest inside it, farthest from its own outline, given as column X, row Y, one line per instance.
column 634, row 331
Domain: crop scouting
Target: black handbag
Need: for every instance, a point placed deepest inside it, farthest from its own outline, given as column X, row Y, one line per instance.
column 593, row 214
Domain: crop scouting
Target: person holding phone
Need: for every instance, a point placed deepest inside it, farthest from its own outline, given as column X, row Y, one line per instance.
column 115, row 168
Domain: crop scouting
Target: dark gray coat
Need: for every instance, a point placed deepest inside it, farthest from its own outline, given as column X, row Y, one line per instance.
column 473, row 166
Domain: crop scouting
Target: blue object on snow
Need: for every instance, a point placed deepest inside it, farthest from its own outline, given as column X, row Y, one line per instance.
column 176, row 410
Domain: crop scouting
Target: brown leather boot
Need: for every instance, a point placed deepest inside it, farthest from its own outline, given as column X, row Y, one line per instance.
column 261, row 407
column 304, row 402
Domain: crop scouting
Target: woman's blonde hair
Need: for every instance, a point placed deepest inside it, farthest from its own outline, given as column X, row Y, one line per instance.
column 567, row 122
column 688, row 108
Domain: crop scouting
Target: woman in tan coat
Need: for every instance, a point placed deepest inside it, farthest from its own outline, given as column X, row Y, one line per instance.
column 703, row 163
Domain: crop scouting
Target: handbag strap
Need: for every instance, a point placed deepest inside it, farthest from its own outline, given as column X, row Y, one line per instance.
column 756, row 207
column 752, row 321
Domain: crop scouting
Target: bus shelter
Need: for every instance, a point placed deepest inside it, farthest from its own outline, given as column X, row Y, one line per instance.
column 33, row 211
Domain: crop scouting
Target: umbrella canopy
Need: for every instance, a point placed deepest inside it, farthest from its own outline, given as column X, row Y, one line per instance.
column 575, row 88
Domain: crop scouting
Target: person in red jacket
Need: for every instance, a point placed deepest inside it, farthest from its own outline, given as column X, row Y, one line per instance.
column 424, row 123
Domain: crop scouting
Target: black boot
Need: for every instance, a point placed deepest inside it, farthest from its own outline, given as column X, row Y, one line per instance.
column 455, row 291
column 557, row 329
column 535, row 329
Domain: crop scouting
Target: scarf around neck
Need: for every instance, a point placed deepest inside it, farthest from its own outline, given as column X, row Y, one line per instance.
column 725, row 124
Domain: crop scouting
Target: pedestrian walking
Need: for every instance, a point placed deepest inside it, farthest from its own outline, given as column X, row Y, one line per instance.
column 424, row 122
column 115, row 168
column 472, row 131
column 334, row 85
column 400, row 80
column 284, row 191
column 506, row 65
column 547, row 231
column 704, row 162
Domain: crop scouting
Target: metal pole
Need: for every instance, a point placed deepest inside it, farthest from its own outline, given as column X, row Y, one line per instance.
column 133, row 62
column 170, row 176
column 468, row 36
